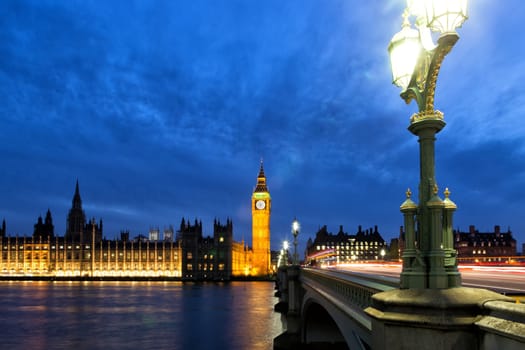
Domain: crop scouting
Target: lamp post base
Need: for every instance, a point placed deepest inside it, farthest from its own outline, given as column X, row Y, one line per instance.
column 430, row 319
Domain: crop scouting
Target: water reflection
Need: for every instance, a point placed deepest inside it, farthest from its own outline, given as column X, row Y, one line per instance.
column 138, row 315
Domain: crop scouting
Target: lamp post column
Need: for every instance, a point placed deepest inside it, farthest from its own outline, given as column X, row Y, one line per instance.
column 426, row 128
column 431, row 218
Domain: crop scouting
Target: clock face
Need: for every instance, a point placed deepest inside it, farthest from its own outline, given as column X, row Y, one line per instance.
column 260, row 204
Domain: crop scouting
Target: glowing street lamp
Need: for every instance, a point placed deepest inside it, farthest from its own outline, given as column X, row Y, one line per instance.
column 284, row 254
column 429, row 258
column 295, row 232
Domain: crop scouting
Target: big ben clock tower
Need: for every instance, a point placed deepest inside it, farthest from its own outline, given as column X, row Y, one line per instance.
column 261, row 209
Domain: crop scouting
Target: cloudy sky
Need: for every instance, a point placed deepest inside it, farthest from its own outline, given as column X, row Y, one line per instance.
column 163, row 110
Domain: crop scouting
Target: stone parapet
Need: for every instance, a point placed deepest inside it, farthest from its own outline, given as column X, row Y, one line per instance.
column 430, row 318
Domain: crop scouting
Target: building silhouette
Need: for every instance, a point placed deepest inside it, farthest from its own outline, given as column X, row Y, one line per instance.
column 77, row 230
column 216, row 257
column 3, row 229
column 44, row 230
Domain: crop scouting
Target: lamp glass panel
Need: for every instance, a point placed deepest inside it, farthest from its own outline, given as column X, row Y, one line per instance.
column 417, row 8
column 404, row 50
column 445, row 16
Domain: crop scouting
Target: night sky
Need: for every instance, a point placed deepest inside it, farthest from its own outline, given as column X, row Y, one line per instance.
column 164, row 109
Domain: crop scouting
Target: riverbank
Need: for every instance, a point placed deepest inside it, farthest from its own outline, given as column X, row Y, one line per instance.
column 129, row 279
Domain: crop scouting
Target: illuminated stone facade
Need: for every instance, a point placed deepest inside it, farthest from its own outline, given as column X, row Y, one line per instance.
column 474, row 246
column 217, row 257
column 59, row 258
column 83, row 252
column 328, row 248
column 261, row 211
column 484, row 246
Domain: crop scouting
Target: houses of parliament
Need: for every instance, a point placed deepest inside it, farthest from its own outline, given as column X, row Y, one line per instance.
column 186, row 254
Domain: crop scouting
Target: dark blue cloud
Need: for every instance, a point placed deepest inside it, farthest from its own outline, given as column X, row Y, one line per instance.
column 163, row 109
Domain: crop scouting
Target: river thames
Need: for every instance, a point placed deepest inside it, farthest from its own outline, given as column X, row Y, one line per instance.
column 138, row 315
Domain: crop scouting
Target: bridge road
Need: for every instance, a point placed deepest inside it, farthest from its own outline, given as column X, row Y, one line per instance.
column 507, row 279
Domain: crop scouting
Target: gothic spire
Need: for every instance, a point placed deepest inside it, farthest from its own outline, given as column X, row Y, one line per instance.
column 261, row 180
column 77, row 202
column 49, row 219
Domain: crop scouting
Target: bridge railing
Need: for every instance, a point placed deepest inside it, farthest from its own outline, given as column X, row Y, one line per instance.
column 345, row 294
column 353, row 289
column 503, row 326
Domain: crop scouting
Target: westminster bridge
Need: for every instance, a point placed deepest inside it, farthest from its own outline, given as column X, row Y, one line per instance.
column 332, row 309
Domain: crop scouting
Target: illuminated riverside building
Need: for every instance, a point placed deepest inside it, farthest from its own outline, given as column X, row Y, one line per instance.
column 328, row 248
column 29, row 257
column 83, row 252
column 475, row 246
column 484, row 246
column 217, row 257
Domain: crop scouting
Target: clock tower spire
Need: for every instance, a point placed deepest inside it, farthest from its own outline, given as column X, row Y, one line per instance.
column 261, row 210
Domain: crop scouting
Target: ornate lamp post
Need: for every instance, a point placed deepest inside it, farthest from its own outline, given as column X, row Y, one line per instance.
column 429, row 258
column 295, row 232
column 426, row 307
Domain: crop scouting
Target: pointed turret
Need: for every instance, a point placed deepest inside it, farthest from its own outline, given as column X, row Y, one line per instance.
column 77, row 201
column 261, row 180
column 49, row 219
column 76, row 219
column 44, row 229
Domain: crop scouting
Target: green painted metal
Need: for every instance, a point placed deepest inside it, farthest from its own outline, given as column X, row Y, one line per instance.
column 429, row 260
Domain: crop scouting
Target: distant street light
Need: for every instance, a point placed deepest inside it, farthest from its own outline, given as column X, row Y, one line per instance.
column 284, row 254
column 429, row 258
column 295, row 232
column 382, row 253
